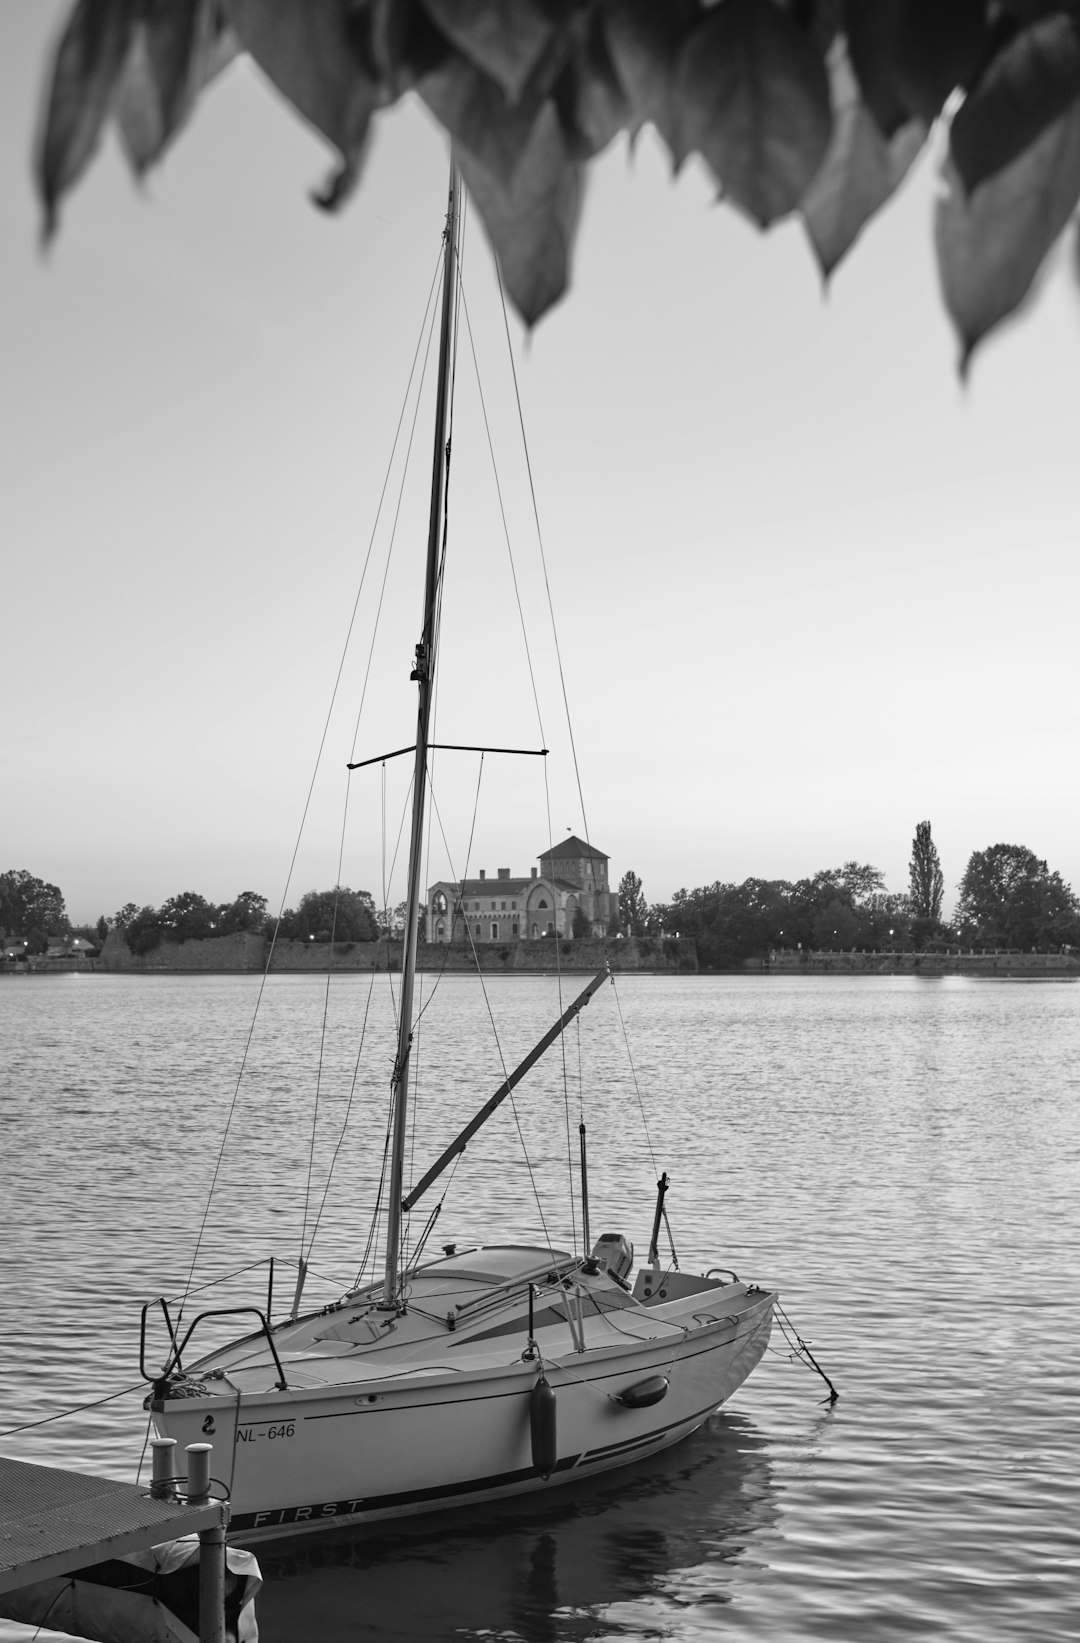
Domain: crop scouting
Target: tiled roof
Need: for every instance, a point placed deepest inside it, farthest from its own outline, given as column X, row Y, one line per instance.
column 478, row 889
column 484, row 887
column 573, row 846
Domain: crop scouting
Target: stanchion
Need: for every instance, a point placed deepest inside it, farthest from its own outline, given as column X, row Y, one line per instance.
column 198, row 1473
column 211, row 1548
column 163, row 1468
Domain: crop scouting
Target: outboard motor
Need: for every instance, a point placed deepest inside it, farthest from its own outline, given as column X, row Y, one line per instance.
column 615, row 1254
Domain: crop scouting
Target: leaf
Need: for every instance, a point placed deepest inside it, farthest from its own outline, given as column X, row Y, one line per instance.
column 591, row 102
column 825, row 20
column 1028, row 85
column 397, row 41
column 532, row 225
column 479, row 117
column 307, row 52
column 177, row 48
column 1030, row 11
column 85, row 71
column 871, row 27
column 991, row 245
column 862, row 168
column 644, row 41
column 753, row 100
column 506, row 41
column 939, row 45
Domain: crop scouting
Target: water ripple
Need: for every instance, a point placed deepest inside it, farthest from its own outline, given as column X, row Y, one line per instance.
column 903, row 1160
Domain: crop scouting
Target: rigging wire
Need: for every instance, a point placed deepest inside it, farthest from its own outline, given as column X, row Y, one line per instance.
column 634, row 1076
column 491, row 1014
column 76, row 1409
column 388, row 874
column 503, row 519
column 323, row 1028
column 370, row 1253
column 234, row 1103
column 344, row 1122
column 543, row 555
column 532, row 682
column 424, row 347
column 562, row 1036
column 429, row 320
column 565, row 700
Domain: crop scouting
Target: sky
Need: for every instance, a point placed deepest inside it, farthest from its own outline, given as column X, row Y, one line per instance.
column 809, row 588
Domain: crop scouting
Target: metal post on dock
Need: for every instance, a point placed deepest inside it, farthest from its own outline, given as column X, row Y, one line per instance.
column 198, row 1473
column 211, row 1548
column 163, row 1468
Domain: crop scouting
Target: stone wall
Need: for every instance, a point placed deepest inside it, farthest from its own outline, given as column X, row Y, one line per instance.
column 957, row 962
column 648, row 954
column 238, row 952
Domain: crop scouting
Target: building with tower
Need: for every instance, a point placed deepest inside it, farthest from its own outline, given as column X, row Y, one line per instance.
column 572, row 878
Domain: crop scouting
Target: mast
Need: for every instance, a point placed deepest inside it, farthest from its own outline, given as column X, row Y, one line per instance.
column 424, row 674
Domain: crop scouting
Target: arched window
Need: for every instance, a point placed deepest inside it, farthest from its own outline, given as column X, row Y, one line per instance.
column 514, row 929
column 494, row 930
column 541, row 902
column 535, row 932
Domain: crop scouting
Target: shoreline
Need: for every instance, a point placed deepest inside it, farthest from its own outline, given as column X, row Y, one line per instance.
column 246, row 954
column 628, row 959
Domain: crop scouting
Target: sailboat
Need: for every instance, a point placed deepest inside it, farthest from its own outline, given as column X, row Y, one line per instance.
column 482, row 1372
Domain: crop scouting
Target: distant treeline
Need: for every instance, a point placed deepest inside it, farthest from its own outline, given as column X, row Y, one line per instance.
column 1008, row 897
column 32, row 911
column 340, row 914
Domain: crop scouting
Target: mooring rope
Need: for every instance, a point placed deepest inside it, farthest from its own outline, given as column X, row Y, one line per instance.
column 799, row 1350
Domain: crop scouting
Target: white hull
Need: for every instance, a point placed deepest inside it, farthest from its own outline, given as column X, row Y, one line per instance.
column 453, row 1424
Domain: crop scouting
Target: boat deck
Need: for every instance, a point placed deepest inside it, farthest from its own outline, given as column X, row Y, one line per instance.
column 470, row 1313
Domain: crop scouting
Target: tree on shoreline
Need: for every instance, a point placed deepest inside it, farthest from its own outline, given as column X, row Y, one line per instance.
column 633, row 908
column 1009, row 898
column 186, row 917
column 30, row 908
column 339, row 914
column 839, row 907
column 927, row 886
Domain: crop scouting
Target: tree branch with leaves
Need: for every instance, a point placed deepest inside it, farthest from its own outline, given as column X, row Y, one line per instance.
column 811, row 108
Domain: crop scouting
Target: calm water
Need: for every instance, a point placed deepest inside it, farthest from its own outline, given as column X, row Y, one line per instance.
column 901, row 1157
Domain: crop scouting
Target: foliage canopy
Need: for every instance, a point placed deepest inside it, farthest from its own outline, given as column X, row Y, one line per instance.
column 927, row 886
column 811, row 107
column 1010, row 898
column 339, row 914
column 633, row 915
column 840, row 907
column 29, row 906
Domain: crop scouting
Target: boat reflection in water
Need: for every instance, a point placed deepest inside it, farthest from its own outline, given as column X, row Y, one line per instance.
column 680, row 1526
